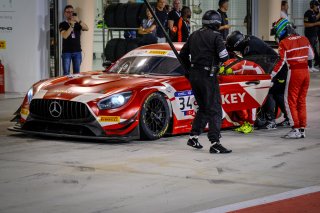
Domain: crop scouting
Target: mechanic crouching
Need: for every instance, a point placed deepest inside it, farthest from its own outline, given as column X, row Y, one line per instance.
column 251, row 46
column 207, row 50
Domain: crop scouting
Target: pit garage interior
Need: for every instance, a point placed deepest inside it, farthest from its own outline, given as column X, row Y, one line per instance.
column 264, row 173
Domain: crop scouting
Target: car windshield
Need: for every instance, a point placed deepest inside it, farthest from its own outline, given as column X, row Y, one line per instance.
column 140, row 65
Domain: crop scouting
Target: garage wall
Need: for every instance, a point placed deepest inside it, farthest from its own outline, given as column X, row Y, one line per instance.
column 269, row 12
column 26, row 54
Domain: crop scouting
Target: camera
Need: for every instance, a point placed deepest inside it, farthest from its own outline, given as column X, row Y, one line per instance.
column 74, row 14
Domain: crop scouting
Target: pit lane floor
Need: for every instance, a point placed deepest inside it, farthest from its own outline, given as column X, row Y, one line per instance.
column 54, row 175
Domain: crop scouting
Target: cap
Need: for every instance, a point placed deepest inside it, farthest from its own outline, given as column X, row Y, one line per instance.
column 314, row 3
column 221, row 2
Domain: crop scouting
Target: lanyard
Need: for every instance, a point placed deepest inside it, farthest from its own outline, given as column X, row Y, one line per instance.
column 178, row 14
column 188, row 26
column 150, row 21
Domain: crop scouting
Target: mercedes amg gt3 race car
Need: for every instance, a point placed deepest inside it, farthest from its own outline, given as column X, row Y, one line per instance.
column 143, row 95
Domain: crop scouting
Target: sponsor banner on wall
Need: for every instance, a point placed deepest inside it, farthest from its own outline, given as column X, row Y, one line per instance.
column 6, row 16
column 3, row 44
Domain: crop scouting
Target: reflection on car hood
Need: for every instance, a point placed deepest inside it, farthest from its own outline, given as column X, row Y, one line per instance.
column 102, row 83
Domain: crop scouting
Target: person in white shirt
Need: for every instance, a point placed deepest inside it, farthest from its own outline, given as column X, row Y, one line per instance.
column 284, row 10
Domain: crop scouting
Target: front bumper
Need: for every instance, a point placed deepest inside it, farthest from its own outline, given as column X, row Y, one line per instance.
column 134, row 135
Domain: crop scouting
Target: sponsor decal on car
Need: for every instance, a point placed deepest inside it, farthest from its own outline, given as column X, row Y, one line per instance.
column 63, row 91
column 183, row 93
column 153, row 52
column 109, row 119
column 186, row 104
column 158, row 52
column 189, row 112
column 24, row 113
column 74, row 76
column 233, row 98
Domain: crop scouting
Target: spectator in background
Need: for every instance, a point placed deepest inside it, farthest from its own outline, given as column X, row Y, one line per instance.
column 173, row 18
column 163, row 18
column 284, row 10
column 183, row 26
column 148, row 30
column 70, row 30
column 223, row 8
column 130, row 34
column 167, row 8
column 311, row 25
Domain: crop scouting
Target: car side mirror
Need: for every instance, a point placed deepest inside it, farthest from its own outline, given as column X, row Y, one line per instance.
column 106, row 64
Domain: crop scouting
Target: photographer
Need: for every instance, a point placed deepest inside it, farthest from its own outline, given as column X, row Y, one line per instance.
column 70, row 30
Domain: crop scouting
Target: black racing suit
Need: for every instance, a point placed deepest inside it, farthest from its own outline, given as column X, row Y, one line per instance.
column 275, row 98
column 207, row 49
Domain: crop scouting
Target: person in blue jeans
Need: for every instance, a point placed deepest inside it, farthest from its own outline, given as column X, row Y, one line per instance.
column 70, row 30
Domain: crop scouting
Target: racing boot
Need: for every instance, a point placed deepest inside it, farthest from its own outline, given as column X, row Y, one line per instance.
column 245, row 128
column 302, row 132
column 284, row 123
column 217, row 148
column 193, row 141
column 293, row 134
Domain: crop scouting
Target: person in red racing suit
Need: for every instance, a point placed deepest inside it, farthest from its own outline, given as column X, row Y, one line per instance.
column 295, row 51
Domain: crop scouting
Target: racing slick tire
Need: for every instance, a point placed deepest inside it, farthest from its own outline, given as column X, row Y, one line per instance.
column 132, row 15
column 110, row 51
column 110, row 15
column 154, row 117
column 121, row 48
column 120, row 16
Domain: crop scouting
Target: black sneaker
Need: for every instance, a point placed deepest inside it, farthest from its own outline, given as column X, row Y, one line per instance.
column 269, row 125
column 194, row 143
column 218, row 148
column 284, row 123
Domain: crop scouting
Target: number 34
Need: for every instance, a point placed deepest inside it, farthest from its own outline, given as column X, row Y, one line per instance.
column 185, row 103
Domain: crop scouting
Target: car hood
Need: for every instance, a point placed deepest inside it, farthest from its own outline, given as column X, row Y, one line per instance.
column 104, row 84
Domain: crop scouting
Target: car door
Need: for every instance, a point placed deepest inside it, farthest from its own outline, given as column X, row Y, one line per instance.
column 248, row 86
column 239, row 92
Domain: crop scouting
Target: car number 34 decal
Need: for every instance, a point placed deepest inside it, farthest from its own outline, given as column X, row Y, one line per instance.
column 186, row 101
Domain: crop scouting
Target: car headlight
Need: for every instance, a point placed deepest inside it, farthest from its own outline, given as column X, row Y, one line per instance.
column 115, row 101
column 30, row 95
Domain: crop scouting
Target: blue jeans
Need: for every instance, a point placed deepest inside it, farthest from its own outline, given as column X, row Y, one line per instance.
column 76, row 59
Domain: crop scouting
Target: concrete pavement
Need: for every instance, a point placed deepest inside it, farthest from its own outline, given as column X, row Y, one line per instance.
column 54, row 175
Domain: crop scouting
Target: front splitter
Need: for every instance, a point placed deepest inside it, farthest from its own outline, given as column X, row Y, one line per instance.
column 17, row 128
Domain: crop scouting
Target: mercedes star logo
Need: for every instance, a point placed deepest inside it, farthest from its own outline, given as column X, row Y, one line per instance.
column 55, row 109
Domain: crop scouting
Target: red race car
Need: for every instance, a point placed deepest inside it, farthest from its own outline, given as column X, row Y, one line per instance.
column 143, row 95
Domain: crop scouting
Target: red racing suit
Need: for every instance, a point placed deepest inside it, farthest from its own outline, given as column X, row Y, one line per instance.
column 295, row 51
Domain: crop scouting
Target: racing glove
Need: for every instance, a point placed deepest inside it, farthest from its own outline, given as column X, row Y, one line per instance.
column 225, row 71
